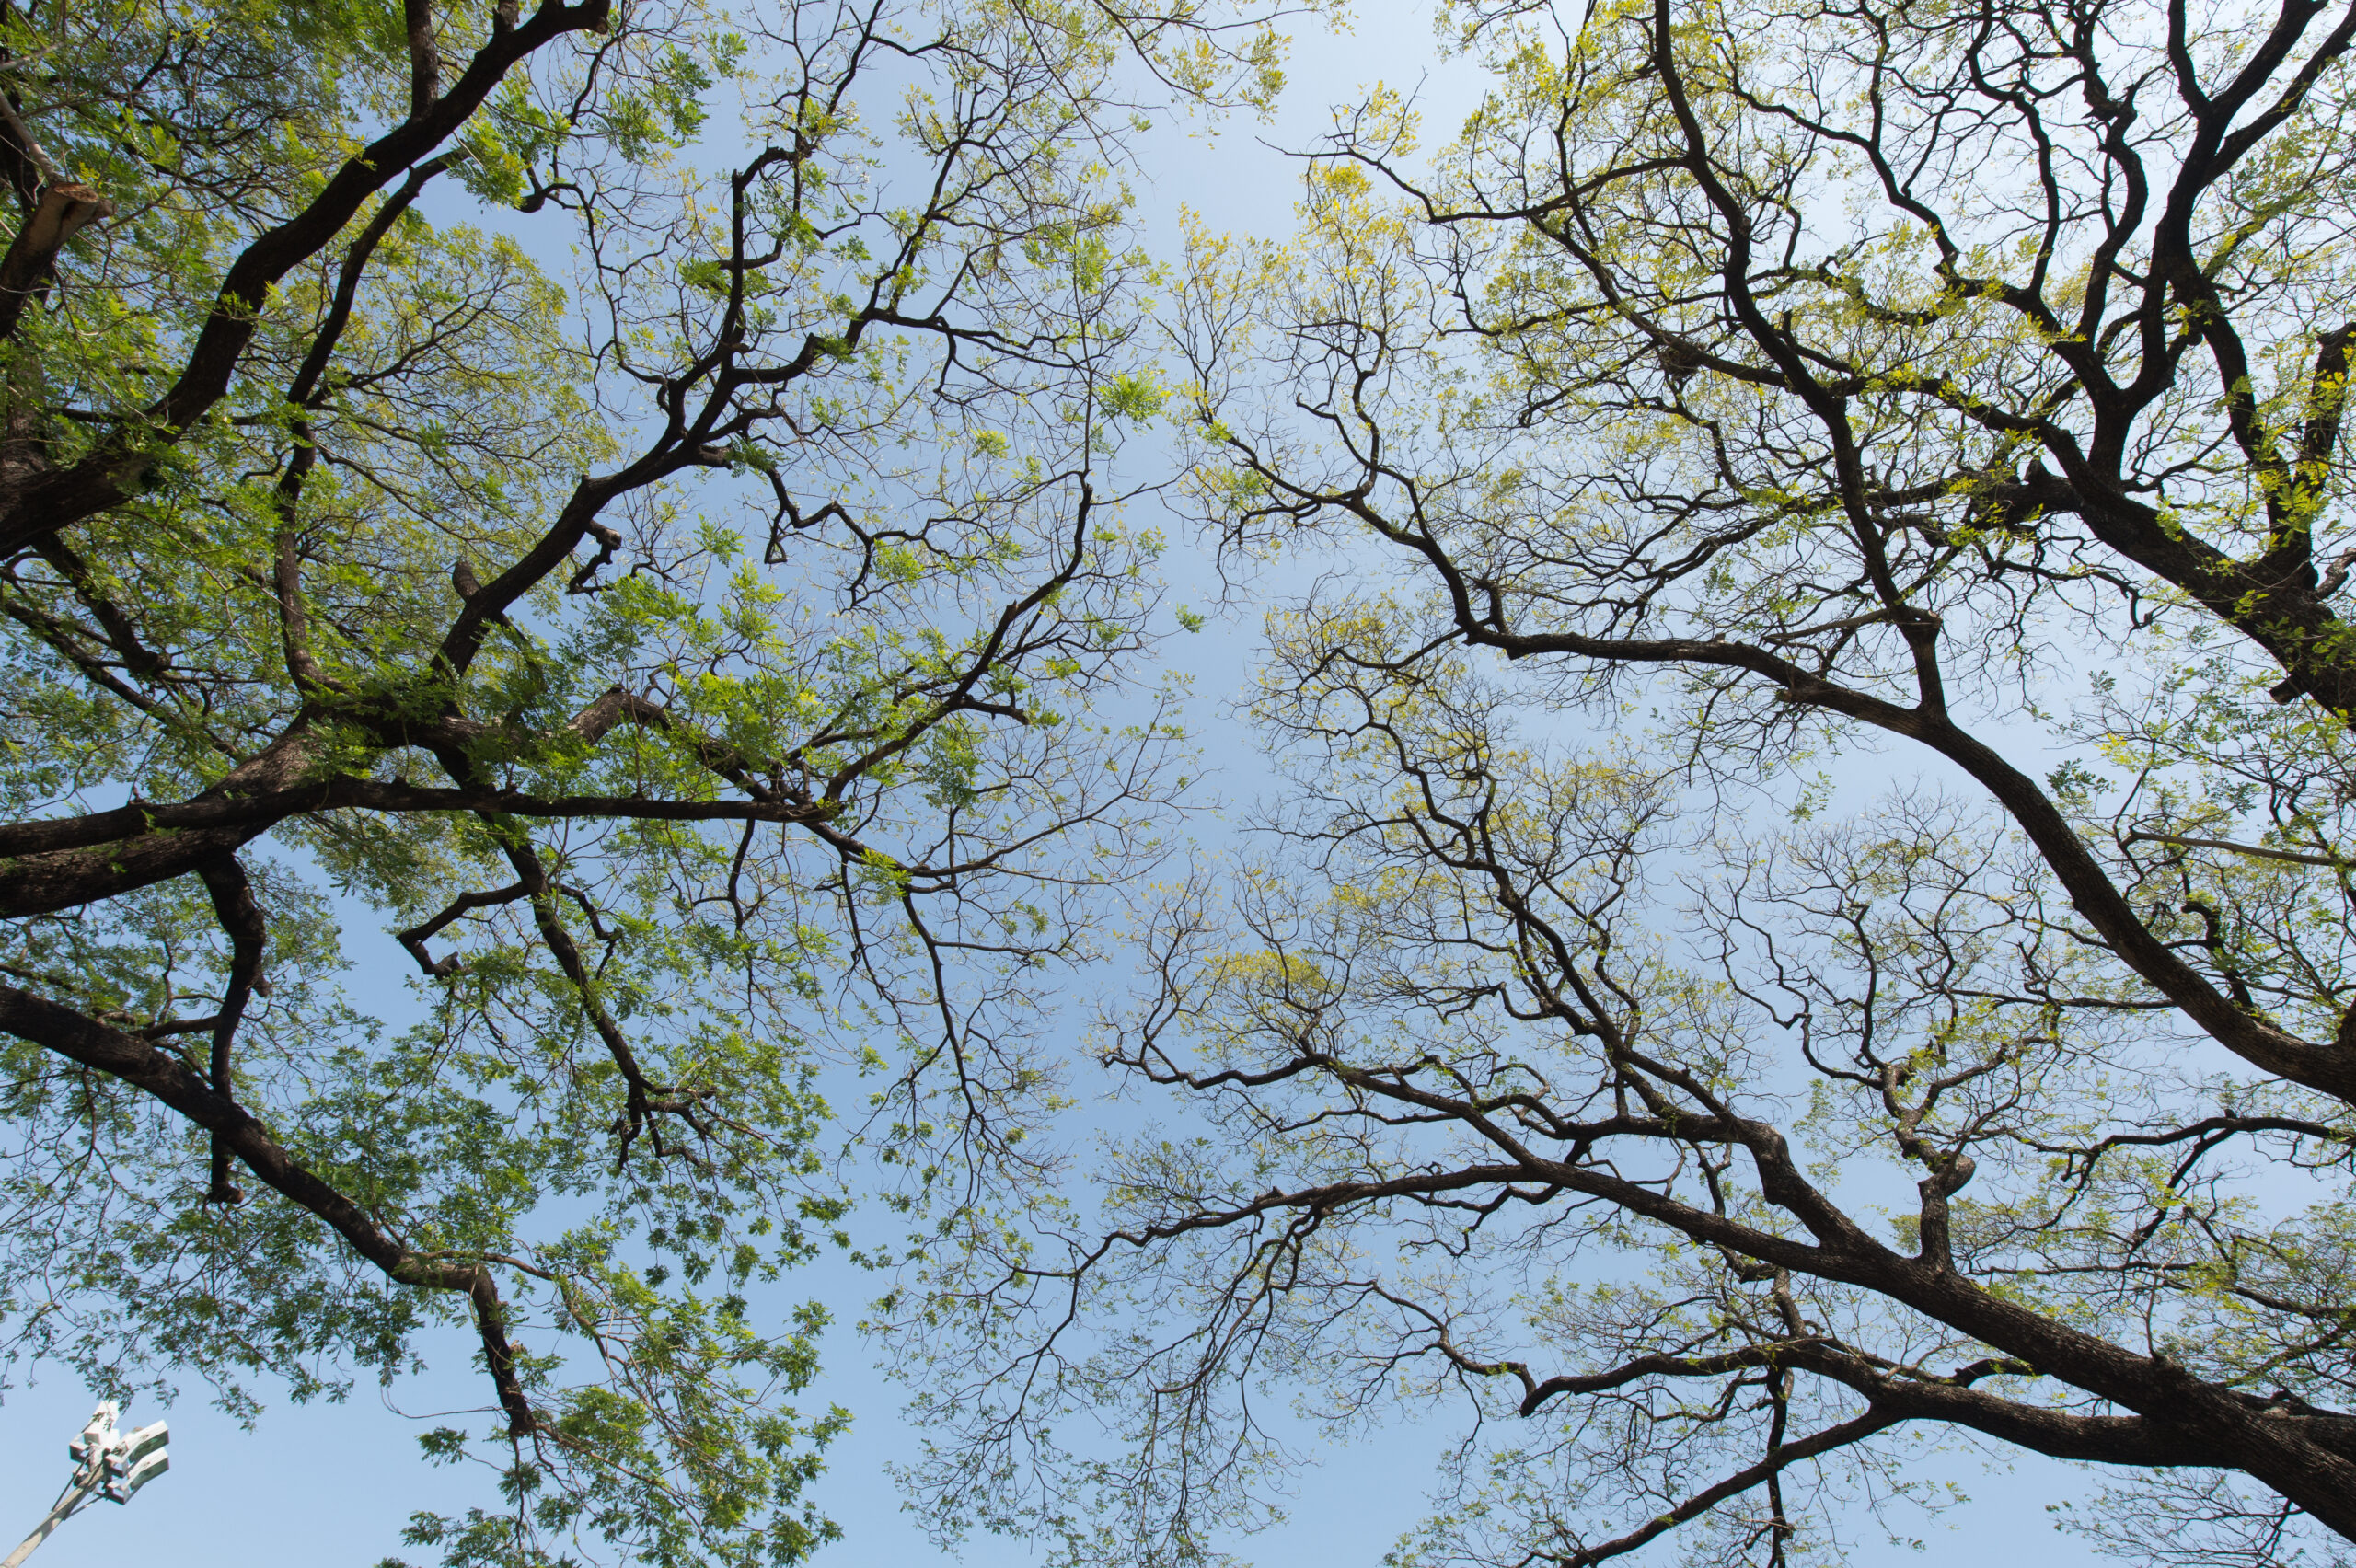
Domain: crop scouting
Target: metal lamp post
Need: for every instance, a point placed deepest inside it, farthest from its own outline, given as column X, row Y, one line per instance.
column 108, row 1463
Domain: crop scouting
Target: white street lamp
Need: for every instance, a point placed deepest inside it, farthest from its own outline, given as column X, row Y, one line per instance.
column 106, row 1463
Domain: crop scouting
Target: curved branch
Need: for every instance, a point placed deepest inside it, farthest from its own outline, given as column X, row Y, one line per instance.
column 167, row 1080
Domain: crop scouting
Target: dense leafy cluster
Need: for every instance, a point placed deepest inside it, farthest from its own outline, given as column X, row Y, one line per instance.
column 616, row 495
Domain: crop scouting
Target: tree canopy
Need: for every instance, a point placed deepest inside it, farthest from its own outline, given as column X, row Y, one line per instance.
column 1812, row 918
column 618, row 494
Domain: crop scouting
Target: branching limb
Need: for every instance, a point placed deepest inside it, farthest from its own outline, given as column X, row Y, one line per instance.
column 241, row 917
column 162, row 1076
column 1826, row 1441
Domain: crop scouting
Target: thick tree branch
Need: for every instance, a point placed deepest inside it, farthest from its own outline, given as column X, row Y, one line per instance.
column 241, row 919
column 48, row 502
column 158, row 1074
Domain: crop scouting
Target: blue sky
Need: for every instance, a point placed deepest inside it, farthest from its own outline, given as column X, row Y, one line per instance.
column 330, row 1485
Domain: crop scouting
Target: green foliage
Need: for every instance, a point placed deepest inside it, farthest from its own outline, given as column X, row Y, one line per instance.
column 608, row 507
